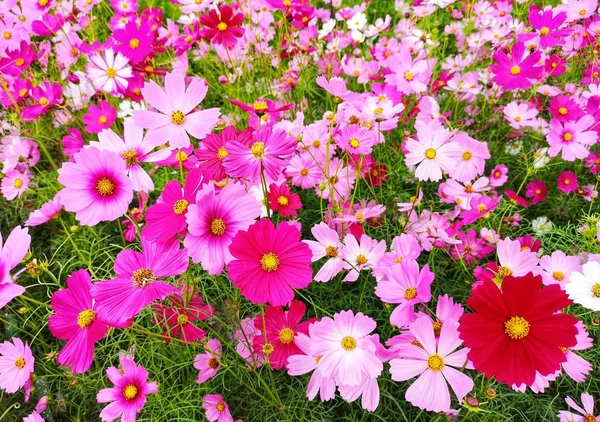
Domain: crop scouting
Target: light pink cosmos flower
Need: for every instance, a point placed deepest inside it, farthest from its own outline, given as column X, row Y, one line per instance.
column 109, row 72
column 406, row 286
column 355, row 140
column 348, row 354
column 407, row 76
column 470, row 158
column 435, row 363
column 176, row 118
column 209, row 362
column 572, row 139
column 128, row 395
column 11, row 253
column 575, row 366
column 215, row 221
column 520, row 114
column 304, row 171
column 133, row 149
column 335, row 86
column 358, row 256
column 216, row 408
column 404, row 248
column 587, row 411
column 137, row 284
column 514, row 260
column 557, row 268
column 96, row 186
column 45, row 213
column 14, row 184
column 16, row 365
column 327, row 245
column 432, row 153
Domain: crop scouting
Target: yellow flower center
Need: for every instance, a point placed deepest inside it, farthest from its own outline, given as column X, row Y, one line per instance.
column 221, row 26
column 222, row 153
column 563, row 110
column 105, row 186
column 437, row 327
column 515, row 70
column 596, row 290
column 258, row 150
column 260, row 106
column 409, row 76
column 143, row 277
column 20, row 62
column 286, row 336
column 518, row 119
column 354, row 143
column 181, row 156
column 7, row 35
column 481, row 208
column 130, row 157
column 349, row 343
column 378, row 111
column 130, row 392
column 111, row 72
column 467, row 155
column 331, row 251
column 282, row 200
column 43, row 2
column 182, row 319
column 22, row 92
column 220, row 406
column 43, row 101
column 589, row 418
column 102, row 120
column 567, row 136
column 544, row 31
column 217, row 227
column 361, row 260
column 435, row 362
column 582, row 12
column 86, row 318
column 18, row 183
column 516, row 328
column 503, row 272
column 304, row 172
column 269, row 262
column 134, row 43
column 410, row 293
column 180, row 206
column 177, row 117
column 430, row 153
column 20, row 363
column 316, row 143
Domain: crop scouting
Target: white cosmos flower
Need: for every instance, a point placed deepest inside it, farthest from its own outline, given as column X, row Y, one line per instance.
column 541, row 226
column 584, row 289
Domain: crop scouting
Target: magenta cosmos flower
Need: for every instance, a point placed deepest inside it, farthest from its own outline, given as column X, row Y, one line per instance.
column 99, row 117
column 96, row 186
column 209, row 362
column 518, row 71
column 136, row 284
column 435, row 363
column 45, row 213
column 348, row 353
column 75, row 321
column 222, row 28
column 16, row 365
column 269, row 263
column 215, row 221
column 11, row 253
column 176, row 119
column 216, row 408
column 128, row 395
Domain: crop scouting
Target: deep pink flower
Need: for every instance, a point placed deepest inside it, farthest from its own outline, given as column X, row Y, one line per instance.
column 518, row 71
column 16, row 365
column 222, row 28
column 515, row 198
column 73, row 142
column 282, row 200
column 128, row 395
column 567, row 182
column 99, row 117
column 269, row 263
column 547, row 24
column 134, row 42
column 563, row 109
column 46, row 96
column 480, row 207
column 537, row 191
column 209, row 362
column 75, row 321
column 213, row 149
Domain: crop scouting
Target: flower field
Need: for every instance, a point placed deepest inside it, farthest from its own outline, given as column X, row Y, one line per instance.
column 294, row 210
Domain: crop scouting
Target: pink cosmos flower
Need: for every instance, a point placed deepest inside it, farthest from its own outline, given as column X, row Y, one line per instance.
column 282, row 200
column 499, row 175
column 470, row 158
column 215, row 221
column 14, row 184
column 432, row 152
column 567, row 182
column 73, row 142
column 268, row 150
column 587, row 411
column 136, row 284
column 435, row 362
column 359, row 256
column 222, row 28
column 537, row 191
column 166, row 218
column 47, row 212
column 348, row 353
column 176, row 118
column 11, row 253
column 518, row 71
column 46, row 96
column 16, row 365
column 269, row 263
column 209, row 362
column 304, row 171
column 99, row 117
column 514, row 260
column 109, row 72
column 327, row 245
column 335, row 86
column 564, row 108
column 133, row 149
column 407, row 76
column 216, row 408
column 355, row 140
column 404, row 247
column 520, row 114
column 134, row 42
column 128, row 395
column 547, row 24
column 75, row 321
column 576, row 367
column 406, row 286
column 213, row 149
column 571, row 138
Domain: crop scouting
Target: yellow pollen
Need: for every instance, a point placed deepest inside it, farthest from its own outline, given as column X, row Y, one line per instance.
column 177, row 117
column 217, row 227
column 22, row 92
column 410, row 293
column 111, row 72
column 349, row 343
column 43, row 3
column 258, row 150
column 413, row 199
column 359, row 215
column 18, row 183
column 212, row 363
column 331, row 251
column 354, row 143
column 282, row 200
column 582, row 12
column 20, row 363
column 467, row 155
column 180, row 206
column 221, row 26
column 220, row 406
column 134, row 43
column 356, row 72
column 596, row 290
column 268, row 348
column 469, row 188
column 286, row 336
column 142, row 277
column 398, row 260
column 105, row 186
column 387, row 53
column 409, row 76
column 378, row 111
column 558, row 275
column 86, row 318
column 316, row 143
column 481, row 208
column 563, row 111
column 102, row 120
column 437, row 327
column 130, row 392
column 260, row 106
column 567, row 136
column 516, row 328
column 518, row 119
column 188, row 39
column 503, row 272
column 435, row 362
column 182, row 319
column 181, row 156
column 430, row 153
column 222, row 153
column 544, row 31
column 130, row 157
column 589, row 418
column 269, row 262
column 515, row 70
column 361, row 260
column 43, row 101
column 7, row 35
column 304, row 172
column 554, row 65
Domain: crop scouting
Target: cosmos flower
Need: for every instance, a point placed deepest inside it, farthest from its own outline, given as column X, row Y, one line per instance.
column 16, row 365
column 584, row 287
column 222, row 27
column 216, row 408
column 518, row 71
column 12, row 252
column 109, row 72
column 209, row 362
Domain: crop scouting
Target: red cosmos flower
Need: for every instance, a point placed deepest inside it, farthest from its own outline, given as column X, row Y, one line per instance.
column 536, row 190
column 280, row 329
column 222, row 30
column 516, row 199
column 517, row 331
column 282, row 199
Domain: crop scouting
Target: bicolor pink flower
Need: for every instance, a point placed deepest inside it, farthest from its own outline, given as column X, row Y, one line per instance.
column 328, row 245
column 75, row 321
column 432, row 152
column 537, row 191
column 216, row 408
column 176, row 118
column 209, row 362
column 359, row 256
column 499, row 175
column 406, row 286
column 11, row 253
column 269, row 263
column 434, row 362
column 223, row 28
column 128, row 396
column 215, row 221
column 109, row 72
column 137, row 283
column 16, row 365
column 572, row 139
column 96, row 186
column 518, row 71
column 348, row 353
column 45, row 213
